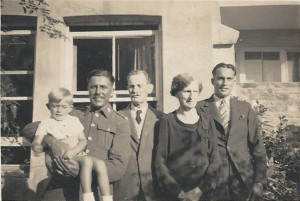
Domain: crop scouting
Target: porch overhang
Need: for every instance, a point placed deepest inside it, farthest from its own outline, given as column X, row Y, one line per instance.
column 263, row 17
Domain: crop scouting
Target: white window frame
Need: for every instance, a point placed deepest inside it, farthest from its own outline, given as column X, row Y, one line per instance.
column 240, row 61
column 12, row 141
column 113, row 35
column 17, row 72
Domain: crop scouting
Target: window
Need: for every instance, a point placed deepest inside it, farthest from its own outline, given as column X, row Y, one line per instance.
column 17, row 69
column 262, row 67
column 118, row 49
column 17, row 64
column 268, row 65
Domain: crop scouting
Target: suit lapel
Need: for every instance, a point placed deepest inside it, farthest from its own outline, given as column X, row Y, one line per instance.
column 150, row 120
column 209, row 107
column 148, row 129
column 134, row 134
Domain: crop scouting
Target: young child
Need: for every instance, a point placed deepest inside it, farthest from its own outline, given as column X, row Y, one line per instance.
column 69, row 130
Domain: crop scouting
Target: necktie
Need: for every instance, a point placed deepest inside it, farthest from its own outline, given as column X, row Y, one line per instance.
column 224, row 114
column 138, row 116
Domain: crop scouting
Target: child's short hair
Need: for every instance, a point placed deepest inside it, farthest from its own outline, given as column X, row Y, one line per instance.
column 59, row 94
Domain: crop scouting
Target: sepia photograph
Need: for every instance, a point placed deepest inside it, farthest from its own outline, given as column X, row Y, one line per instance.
column 150, row 100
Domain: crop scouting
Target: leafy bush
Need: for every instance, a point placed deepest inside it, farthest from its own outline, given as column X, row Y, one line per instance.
column 282, row 174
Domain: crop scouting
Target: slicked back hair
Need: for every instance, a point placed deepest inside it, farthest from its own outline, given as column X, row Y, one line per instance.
column 101, row 72
column 223, row 65
column 137, row 72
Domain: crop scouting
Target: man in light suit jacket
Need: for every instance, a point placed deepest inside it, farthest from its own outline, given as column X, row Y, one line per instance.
column 138, row 182
column 242, row 152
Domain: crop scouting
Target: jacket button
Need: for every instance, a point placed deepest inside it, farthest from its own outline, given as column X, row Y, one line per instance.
column 89, row 138
column 87, row 151
column 96, row 114
column 93, row 125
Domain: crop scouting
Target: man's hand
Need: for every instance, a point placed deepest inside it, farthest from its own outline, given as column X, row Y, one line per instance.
column 256, row 192
column 69, row 154
column 58, row 149
column 66, row 167
column 193, row 195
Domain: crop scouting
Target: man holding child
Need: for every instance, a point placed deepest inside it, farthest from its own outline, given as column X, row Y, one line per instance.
column 108, row 139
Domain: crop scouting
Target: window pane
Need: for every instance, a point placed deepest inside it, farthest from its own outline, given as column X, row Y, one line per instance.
column 271, row 67
column 14, row 116
column 293, row 60
column 92, row 54
column 17, row 52
column 16, row 85
column 133, row 54
column 271, row 56
column 253, row 56
column 253, row 66
column 262, row 67
column 15, row 155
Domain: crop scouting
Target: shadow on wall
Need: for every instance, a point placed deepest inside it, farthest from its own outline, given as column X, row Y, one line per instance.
column 15, row 187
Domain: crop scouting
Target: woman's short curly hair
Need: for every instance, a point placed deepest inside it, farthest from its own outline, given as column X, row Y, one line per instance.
column 181, row 81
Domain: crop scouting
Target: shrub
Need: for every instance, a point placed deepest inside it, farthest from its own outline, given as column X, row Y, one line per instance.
column 282, row 175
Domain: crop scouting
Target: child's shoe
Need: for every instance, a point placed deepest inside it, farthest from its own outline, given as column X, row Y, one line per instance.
column 107, row 198
column 88, row 196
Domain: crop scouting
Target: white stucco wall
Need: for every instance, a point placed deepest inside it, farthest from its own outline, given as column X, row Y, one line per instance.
column 186, row 43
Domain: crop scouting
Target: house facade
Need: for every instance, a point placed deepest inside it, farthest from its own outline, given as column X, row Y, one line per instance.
column 164, row 38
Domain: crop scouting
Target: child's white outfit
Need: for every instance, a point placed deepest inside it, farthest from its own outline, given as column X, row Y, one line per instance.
column 66, row 130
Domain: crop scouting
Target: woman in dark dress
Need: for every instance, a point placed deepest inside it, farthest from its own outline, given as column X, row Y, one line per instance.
column 187, row 157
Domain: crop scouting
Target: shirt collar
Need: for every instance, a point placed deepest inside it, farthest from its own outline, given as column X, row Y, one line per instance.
column 218, row 100
column 105, row 111
column 144, row 109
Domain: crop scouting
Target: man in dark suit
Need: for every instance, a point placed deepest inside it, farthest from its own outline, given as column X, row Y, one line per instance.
column 242, row 152
column 138, row 184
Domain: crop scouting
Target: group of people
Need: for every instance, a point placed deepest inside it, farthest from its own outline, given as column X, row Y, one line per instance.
column 204, row 150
